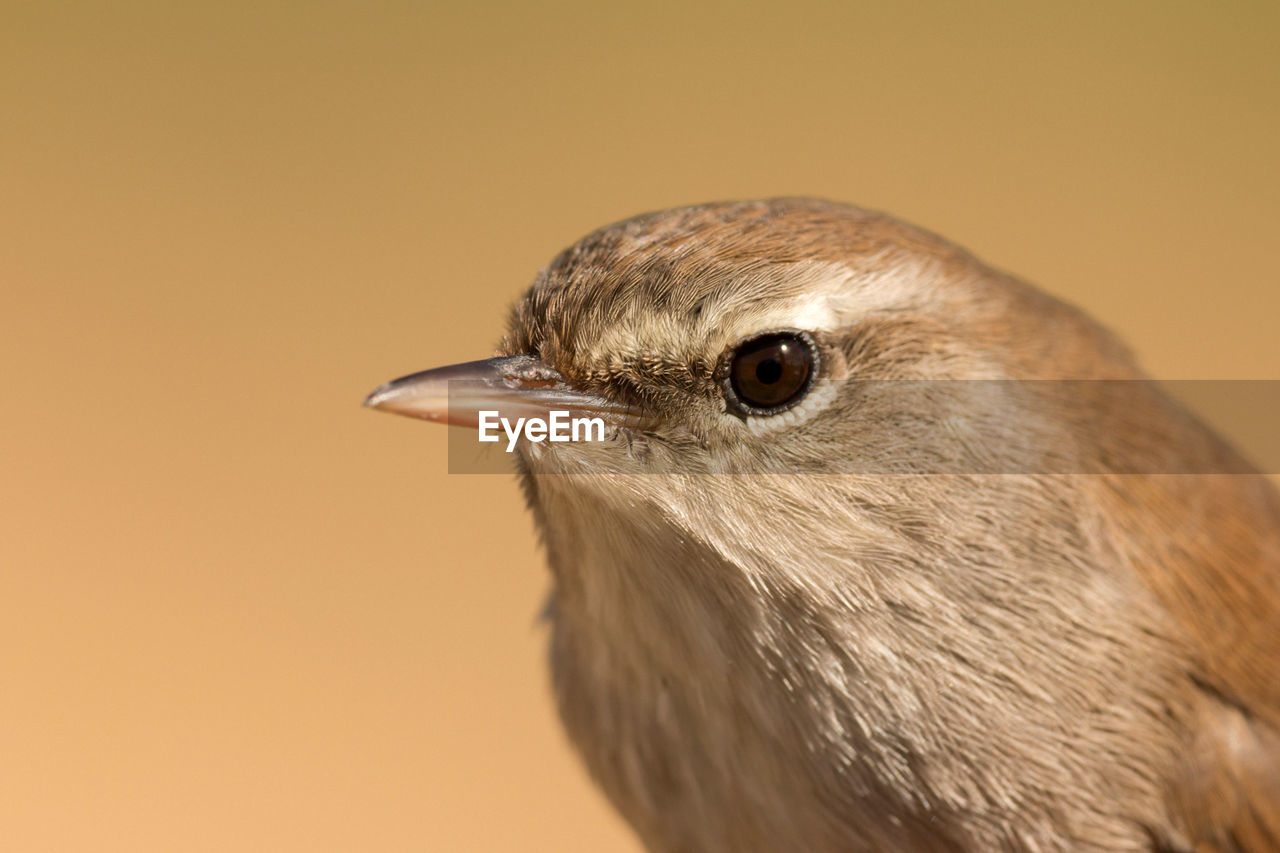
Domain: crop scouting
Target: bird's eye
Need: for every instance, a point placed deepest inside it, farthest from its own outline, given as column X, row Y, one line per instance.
column 770, row 373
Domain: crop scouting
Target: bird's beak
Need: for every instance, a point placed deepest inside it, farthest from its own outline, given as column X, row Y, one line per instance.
column 517, row 386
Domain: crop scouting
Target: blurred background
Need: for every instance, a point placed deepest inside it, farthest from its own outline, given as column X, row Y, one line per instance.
column 237, row 611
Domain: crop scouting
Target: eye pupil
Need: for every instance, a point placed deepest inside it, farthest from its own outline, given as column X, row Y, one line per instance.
column 771, row 372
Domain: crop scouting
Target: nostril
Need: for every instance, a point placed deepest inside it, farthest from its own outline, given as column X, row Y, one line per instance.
column 529, row 371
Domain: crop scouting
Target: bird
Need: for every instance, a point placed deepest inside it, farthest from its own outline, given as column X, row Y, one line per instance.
column 884, row 550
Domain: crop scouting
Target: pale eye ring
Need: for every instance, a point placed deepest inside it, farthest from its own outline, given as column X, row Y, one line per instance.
column 769, row 372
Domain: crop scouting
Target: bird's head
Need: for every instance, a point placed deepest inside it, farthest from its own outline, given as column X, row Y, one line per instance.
column 761, row 337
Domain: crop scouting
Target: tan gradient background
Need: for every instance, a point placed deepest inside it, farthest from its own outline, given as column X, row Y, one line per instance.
column 238, row 612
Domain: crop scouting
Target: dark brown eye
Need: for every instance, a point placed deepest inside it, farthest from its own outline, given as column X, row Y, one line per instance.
column 771, row 373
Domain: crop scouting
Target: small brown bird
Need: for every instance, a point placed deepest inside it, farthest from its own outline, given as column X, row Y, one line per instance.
column 812, row 593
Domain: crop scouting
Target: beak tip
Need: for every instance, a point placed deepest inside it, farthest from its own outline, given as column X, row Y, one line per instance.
column 377, row 397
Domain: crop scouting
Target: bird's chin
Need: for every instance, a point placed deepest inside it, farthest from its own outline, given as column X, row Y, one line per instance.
column 617, row 455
